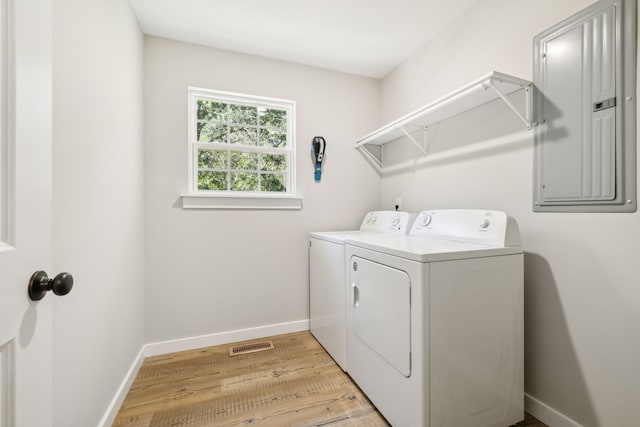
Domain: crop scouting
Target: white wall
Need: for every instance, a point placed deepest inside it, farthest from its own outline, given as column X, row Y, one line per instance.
column 582, row 299
column 215, row 271
column 97, row 204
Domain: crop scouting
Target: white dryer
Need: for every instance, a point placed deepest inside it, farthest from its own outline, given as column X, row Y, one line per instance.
column 435, row 320
column 327, row 277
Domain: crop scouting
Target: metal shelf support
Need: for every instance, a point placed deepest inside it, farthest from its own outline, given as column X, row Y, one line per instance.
column 422, row 149
column 526, row 118
column 379, row 162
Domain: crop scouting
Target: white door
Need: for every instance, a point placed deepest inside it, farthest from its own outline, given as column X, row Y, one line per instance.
column 25, row 212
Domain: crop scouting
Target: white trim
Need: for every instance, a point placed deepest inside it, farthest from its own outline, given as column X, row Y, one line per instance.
column 233, row 97
column 114, row 406
column 547, row 414
column 181, row 344
column 195, row 94
column 7, row 125
column 7, row 384
column 240, row 148
column 234, row 201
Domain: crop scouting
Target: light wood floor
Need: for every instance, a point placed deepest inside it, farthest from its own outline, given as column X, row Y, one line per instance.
column 295, row 384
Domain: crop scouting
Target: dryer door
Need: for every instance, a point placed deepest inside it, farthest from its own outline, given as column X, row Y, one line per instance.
column 380, row 311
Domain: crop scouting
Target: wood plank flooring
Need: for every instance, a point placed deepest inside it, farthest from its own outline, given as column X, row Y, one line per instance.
column 295, row 384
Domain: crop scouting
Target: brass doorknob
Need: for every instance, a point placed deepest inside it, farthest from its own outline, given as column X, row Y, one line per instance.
column 40, row 284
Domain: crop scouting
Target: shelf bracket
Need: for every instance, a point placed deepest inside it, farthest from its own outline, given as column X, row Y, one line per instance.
column 416, row 143
column 526, row 119
column 371, row 156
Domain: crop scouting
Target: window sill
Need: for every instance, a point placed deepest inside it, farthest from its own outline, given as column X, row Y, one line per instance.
column 218, row 201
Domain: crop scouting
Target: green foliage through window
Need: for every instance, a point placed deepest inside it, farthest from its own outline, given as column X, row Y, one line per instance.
column 245, row 171
column 241, row 146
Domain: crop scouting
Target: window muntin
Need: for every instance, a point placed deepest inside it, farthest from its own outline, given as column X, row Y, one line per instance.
column 240, row 144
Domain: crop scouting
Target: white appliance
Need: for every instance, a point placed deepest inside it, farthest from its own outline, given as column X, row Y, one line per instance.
column 435, row 320
column 327, row 277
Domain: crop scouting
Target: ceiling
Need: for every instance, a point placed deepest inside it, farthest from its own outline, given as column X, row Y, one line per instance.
column 364, row 37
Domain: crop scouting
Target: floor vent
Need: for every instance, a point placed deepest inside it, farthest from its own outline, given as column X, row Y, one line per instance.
column 250, row 348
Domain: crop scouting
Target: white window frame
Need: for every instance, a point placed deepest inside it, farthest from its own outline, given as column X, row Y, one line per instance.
column 199, row 199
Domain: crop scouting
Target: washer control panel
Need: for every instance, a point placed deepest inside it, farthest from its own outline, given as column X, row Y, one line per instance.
column 485, row 227
column 389, row 222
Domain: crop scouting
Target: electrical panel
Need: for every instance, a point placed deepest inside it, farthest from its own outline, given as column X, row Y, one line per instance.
column 585, row 111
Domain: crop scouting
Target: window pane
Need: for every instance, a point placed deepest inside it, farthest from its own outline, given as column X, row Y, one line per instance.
column 209, row 110
column 241, row 135
column 273, row 182
column 212, row 159
column 273, row 118
column 241, row 143
column 244, row 181
column 209, row 132
column 208, row 180
column 273, row 138
column 242, row 114
column 244, row 161
column 274, row 163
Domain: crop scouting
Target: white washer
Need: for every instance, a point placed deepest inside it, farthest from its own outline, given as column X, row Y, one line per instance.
column 435, row 320
column 327, row 277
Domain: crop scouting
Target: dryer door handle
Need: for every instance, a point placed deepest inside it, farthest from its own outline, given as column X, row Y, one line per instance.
column 356, row 295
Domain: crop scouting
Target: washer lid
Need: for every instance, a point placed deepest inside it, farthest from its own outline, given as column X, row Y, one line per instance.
column 335, row 236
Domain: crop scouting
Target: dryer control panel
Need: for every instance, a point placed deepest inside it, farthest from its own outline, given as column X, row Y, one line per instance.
column 486, row 227
column 387, row 222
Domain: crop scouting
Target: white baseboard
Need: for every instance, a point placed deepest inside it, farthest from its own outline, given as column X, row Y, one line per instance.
column 114, row 406
column 171, row 346
column 547, row 414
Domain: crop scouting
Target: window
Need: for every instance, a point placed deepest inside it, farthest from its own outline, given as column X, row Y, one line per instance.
column 240, row 145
